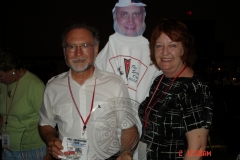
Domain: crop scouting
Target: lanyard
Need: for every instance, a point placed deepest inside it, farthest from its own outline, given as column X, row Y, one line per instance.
column 8, row 109
column 86, row 121
column 149, row 109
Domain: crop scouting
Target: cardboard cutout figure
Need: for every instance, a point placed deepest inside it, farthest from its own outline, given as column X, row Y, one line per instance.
column 127, row 51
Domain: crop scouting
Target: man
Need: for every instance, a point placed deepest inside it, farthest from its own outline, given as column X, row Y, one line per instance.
column 75, row 101
column 127, row 52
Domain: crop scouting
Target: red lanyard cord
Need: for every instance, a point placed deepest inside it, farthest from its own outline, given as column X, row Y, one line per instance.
column 148, row 106
column 89, row 115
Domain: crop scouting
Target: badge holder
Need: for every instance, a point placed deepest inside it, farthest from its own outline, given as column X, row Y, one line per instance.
column 74, row 149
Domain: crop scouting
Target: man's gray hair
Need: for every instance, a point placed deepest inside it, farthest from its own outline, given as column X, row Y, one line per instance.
column 94, row 32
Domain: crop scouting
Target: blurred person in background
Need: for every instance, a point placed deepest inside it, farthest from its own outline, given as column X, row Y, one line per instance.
column 20, row 101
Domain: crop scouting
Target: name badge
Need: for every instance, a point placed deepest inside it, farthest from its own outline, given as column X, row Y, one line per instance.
column 6, row 141
column 74, row 148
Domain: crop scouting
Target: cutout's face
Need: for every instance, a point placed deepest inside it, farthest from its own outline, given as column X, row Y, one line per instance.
column 129, row 21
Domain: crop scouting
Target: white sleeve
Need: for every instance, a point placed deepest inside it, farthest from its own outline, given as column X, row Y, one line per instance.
column 46, row 112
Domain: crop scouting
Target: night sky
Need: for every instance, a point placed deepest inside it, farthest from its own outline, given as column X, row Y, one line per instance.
column 34, row 28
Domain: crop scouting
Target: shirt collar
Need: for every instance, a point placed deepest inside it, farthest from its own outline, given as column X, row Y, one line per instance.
column 96, row 74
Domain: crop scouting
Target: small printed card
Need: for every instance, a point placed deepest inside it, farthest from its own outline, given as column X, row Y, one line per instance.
column 6, row 141
column 76, row 149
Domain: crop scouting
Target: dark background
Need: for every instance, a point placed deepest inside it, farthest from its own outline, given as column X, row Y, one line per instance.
column 33, row 30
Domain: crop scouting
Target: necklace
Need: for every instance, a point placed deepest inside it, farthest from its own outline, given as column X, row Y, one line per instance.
column 8, row 108
column 149, row 108
column 11, row 95
column 9, row 92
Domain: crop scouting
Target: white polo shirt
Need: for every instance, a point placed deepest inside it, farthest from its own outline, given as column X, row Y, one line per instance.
column 58, row 109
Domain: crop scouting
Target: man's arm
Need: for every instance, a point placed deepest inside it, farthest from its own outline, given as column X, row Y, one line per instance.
column 197, row 142
column 129, row 141
column 54, row 144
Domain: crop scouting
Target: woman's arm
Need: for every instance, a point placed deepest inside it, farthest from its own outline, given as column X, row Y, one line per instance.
column 197, row 142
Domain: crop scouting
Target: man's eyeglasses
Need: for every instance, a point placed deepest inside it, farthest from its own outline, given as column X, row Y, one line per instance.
column 85, row 47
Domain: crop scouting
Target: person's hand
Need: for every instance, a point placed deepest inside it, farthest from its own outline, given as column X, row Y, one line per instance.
column 125, row 156
column 54, row 147
column 47, row 157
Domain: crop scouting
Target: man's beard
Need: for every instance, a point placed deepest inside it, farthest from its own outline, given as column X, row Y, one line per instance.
column 76, row 68
column 138, row 33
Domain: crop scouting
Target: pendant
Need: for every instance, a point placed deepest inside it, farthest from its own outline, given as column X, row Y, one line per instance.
column 6, row 126
column 83, row 133
column 10, row 94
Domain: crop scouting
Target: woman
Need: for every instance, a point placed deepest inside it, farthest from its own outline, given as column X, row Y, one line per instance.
column 20, row 101
column 178, row 111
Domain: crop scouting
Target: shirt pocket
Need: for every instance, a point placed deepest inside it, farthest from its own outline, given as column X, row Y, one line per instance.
column 64, row 113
